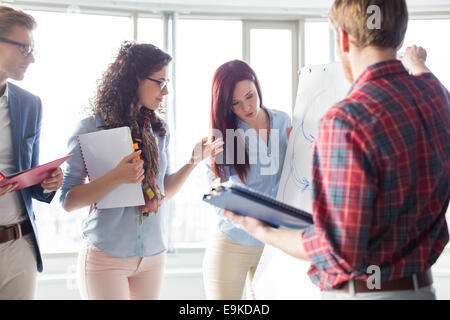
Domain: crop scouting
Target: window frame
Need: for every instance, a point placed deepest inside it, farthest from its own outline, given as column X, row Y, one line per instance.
column 248, row 25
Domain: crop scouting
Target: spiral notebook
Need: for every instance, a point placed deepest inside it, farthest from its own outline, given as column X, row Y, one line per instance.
column 102, row 151
column 248, row 202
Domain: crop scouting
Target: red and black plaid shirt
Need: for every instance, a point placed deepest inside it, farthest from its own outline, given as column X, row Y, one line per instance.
column 381, row 172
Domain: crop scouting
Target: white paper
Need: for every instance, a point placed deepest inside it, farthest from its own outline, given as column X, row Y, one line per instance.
column 102, row 151
column 279, row 275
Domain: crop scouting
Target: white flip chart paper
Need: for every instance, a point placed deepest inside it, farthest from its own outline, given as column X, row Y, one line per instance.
column 280, row 276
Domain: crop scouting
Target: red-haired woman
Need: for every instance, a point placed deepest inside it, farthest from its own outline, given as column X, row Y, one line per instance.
column 255, row 145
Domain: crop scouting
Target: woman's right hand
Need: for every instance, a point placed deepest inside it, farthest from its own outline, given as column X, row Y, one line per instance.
column 129, row 171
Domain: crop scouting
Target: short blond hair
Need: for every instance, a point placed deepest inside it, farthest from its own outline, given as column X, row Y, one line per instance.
column 352, row 16
column 10, row 17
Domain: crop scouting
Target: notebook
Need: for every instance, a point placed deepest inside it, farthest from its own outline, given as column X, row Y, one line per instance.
column 31, row 176
column 102, row 151
column 248, row 202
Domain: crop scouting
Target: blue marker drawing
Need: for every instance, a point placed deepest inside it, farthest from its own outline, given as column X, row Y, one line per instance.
column 302, row 182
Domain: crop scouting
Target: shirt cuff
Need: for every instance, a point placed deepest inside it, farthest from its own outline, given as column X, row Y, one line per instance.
column 47, row 192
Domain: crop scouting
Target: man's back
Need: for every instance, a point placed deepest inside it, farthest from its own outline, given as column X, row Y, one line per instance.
column 390, row 137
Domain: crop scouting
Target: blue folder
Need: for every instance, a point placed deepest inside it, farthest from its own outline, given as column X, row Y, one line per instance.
column 248, row 202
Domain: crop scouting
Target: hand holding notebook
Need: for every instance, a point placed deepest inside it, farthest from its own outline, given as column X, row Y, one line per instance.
column 248, row 202
column 102, row 151
column 31, row 176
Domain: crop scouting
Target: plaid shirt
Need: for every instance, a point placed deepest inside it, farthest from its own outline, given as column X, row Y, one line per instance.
column 381, row 172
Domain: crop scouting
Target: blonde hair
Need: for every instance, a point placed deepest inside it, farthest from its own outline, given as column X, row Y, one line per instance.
column 10, row 17
column 352, row 16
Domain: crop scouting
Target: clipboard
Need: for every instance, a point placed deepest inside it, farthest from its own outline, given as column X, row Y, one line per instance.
column 248, row 202
column 31, row 176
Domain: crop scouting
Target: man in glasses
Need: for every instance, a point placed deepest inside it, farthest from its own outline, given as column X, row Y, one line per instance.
column 20, row 124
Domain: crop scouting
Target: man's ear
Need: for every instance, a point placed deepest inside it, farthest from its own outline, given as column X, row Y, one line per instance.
column 344, row 41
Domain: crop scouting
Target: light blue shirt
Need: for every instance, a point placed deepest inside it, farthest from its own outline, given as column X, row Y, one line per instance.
column 264, row 175
column 117, row 231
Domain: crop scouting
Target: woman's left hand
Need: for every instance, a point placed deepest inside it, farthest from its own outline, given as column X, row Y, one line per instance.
column 203, row 151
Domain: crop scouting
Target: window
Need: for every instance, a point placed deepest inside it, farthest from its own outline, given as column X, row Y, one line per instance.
column 317, row 43
column 428, row 34
column 202, row 46
column 73, row 50
column 272, row 53
column 72, row 56
column 150, row 30
column 273, row 66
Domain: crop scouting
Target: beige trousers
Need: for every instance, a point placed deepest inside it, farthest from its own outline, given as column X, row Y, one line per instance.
column 228, row 267
column 18, row 269
column 104, row 277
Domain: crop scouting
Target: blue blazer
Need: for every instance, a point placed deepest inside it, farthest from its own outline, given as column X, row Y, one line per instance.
column 25, row 111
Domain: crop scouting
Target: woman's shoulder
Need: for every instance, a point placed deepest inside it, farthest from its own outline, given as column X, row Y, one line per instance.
column 88, row 124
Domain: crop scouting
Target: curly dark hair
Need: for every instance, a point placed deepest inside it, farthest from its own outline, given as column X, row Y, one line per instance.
column 117, row 91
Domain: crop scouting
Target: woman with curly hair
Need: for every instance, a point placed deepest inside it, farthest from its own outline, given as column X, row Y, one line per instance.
column 123, row 251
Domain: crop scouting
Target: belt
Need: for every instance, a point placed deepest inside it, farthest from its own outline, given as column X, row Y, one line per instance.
column 424, row 279
column 15, row 231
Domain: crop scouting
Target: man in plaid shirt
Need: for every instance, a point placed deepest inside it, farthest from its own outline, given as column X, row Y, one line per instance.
column 381, row 168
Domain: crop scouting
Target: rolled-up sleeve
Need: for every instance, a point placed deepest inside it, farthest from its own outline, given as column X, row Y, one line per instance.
column 75, row 172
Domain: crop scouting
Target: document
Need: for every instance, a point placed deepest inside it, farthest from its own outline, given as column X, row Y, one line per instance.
column 31, row 176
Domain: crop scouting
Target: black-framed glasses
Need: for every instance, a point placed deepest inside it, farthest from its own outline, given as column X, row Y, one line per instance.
column 25, row 49
column 162, row 84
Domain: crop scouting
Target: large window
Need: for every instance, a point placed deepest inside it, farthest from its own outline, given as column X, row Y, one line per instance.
column 150, row 30
column 317, row 43
column 202, row 46
column 428, row 34
column 273, row 55
column 73, row 50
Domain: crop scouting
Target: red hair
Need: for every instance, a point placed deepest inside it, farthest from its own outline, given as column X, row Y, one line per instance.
column 222, row 116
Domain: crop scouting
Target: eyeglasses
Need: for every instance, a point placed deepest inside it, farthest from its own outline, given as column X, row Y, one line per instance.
column 25, row 49
column 162, row 84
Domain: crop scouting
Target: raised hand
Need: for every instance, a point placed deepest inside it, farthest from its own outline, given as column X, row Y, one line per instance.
column 203, row 151
column 414, row 59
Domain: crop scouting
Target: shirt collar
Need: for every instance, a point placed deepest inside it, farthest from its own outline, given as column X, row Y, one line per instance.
column 5, row 94
column 379, row 70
